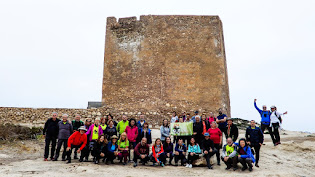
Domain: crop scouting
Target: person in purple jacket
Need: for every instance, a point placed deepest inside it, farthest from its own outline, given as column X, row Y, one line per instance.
column 168, row 149
column 93, row 133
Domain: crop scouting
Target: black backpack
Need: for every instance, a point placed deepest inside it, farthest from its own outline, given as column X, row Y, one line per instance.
column 279, row 117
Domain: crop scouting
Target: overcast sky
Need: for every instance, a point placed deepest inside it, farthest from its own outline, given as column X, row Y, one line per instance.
column 52, row 52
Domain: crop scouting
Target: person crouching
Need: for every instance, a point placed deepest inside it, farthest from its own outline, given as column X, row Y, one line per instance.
column 100, row 148
column 78, row 141
column 112, row 148
column 141, row 152
column 229, row 155
column 245, row 157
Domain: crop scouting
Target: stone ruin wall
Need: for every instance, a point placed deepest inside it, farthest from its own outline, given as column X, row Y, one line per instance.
column 165, row 63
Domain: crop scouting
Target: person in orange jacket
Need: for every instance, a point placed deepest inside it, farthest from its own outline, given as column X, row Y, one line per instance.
column 158, row 154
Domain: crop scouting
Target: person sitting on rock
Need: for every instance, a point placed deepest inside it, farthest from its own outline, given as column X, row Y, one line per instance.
column 76, row 141
column 245, row 156
column 207, row 147
column 229, row 154
column 100, row 148
column 216, row 137
column 158, row 155
column 168, row 149
column 141, row 152
column 112, row 150
column 193, row 152
column 180, row 152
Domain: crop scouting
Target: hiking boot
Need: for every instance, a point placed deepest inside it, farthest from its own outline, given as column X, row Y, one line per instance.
column 135, row 164
column 244, row 168
column 256, row 165
column 250, row 169
column 124, row 163
column 227, row 168
column 80, row 160
column 210, row 167
column 176, row 164
column 234, row 169
column 218, row 164
column 69, row 161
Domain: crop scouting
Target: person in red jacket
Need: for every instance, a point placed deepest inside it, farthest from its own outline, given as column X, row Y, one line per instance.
column 132, row 134
column 77, row 140
column 158, row 154
column 216, row 137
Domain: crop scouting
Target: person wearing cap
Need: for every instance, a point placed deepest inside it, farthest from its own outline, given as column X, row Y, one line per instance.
column 255, row 138
column 65, row 130
column 112, row 149
column 229, row 154
column 231, row 130
column 194, row 117
column 275, row 121
column 221, row 120
column 208, row 150
column 216, row 137
column 76, row 141
column 265, row 118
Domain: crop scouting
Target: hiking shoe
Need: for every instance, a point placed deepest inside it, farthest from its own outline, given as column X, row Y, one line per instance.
column 63, row 159
column 176, row 164
column 244, row 168
column 234, row 169
column 75, row 157
column 210, row 167
column 187, row 165
column 162, row 165
column 218, row 164
column 124, row 163
column 55, row 160
column 69, row 161
column 80, row 160
column 135, row 165
column 250, row 169
column 227, row 168
column 256, row 165
column 45, row 159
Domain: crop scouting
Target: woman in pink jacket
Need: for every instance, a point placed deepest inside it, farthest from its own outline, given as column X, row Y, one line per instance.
column 132, row 133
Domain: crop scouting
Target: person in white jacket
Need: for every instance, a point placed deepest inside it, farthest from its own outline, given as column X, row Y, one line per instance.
column 275, row 121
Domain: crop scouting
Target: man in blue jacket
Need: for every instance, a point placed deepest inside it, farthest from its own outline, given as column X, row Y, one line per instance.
column 255, row 138
column 265, row 119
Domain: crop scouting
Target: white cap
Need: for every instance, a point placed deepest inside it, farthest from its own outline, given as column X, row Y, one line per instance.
column 273, row 106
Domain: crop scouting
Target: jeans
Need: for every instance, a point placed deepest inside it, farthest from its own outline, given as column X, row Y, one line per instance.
column 53, row 141
column 275, row 132
column 245, row 162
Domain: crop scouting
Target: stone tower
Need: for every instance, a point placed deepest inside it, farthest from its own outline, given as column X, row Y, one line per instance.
column 164, row 63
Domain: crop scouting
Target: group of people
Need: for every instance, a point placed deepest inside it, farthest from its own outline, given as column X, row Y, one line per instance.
column 108, row 140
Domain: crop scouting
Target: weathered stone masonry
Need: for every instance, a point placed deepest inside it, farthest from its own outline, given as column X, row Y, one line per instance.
column 165, row 63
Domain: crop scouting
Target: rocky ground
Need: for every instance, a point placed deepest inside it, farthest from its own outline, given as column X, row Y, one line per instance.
column 294, row 157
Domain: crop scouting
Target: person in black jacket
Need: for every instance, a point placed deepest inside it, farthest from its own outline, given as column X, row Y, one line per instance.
column 231, row 130
column 76, row 124
column 100, row 149
column 145, row 132
column 50, row 132
column 207, row 147
column 255, row 138
column 198, row 129
column 110, row 130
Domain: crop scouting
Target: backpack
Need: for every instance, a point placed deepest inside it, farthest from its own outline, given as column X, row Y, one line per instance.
column 279, row 117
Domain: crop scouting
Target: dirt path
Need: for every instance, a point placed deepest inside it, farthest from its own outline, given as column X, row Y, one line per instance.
column 294, row 157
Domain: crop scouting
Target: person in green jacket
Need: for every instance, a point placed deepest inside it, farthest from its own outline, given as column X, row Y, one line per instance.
column 121, row 126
